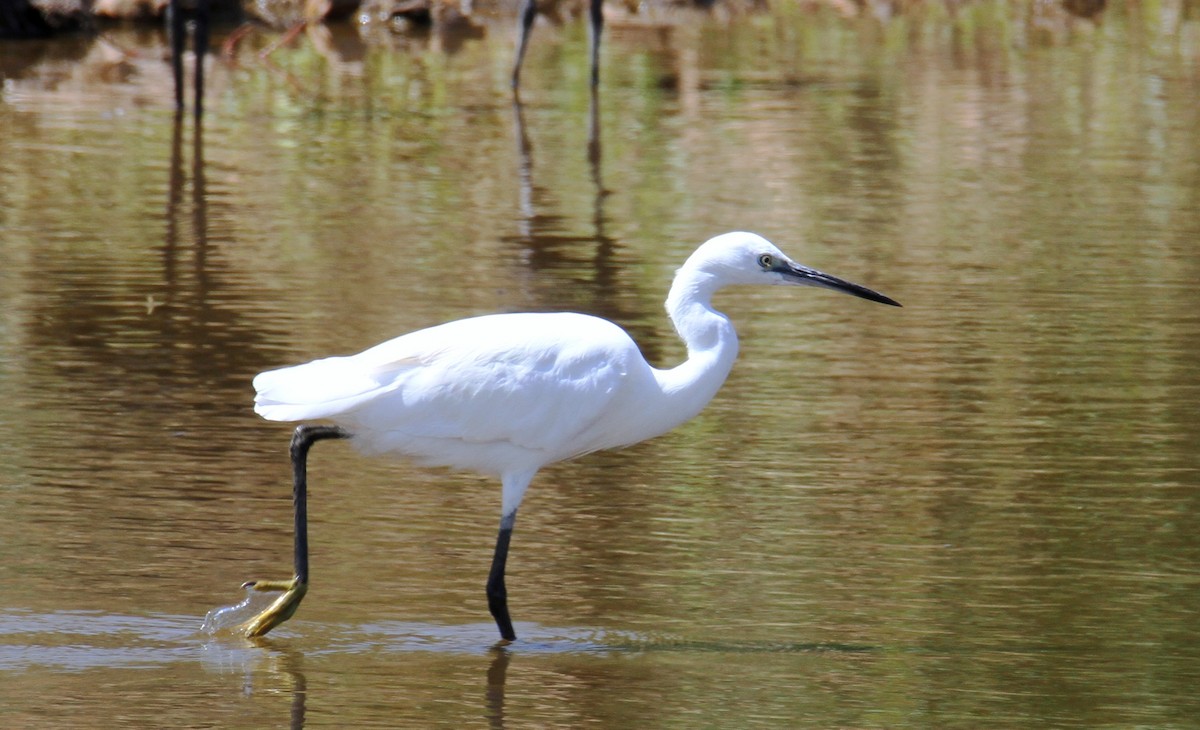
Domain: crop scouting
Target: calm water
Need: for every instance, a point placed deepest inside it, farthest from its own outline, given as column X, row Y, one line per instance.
column 981, row 510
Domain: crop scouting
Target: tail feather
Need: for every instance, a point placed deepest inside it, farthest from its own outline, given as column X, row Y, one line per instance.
column 319, row 389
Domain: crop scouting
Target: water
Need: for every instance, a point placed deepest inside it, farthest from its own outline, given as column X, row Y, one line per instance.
column 976, row 511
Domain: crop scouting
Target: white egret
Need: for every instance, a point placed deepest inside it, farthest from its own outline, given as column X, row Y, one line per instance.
column 506, row 394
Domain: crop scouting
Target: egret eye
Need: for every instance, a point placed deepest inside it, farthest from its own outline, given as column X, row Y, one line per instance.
column 766, row 261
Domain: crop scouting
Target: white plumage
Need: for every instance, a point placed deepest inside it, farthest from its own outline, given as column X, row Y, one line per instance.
column 506, row 394
column 491, row 394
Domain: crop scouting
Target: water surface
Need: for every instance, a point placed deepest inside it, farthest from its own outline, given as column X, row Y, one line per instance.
column 978, row 510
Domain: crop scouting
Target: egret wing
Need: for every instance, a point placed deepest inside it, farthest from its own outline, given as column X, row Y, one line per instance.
column 532, row 380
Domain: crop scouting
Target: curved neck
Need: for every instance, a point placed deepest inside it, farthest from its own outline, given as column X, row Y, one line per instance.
column 711, row 341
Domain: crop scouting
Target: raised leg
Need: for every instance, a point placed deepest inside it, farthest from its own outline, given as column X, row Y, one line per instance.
column 285, row 606
column 497, row 594
column 528, row 14
column 597, row 18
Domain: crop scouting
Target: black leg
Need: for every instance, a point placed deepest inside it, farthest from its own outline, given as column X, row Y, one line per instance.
column 497, row 594
column 597, row 17
column 302, row 441
column 177, row 32
column 295, row 589
column 200, row 41
column 528, row 13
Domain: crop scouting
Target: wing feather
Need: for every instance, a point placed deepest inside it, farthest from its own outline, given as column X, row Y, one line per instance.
column 531, row 380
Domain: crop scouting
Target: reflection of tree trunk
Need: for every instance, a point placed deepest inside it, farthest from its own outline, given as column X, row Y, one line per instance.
column 40, row 18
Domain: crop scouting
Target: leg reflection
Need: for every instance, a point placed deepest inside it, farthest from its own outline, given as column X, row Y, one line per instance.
column 497, row 674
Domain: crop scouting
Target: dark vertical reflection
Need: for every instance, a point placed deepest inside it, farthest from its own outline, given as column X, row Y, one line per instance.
column 175, row 182
column 199, row 203
column 595, row 154
column 191, row 279
column 540, row 233
column 177, row 285
column 142, row 329
column 199, row 216
column 299, row 699
column 497, row 676
column 525, row 188
column 285, row 666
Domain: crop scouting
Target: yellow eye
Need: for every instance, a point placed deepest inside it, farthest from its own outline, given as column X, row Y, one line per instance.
column 766, row 261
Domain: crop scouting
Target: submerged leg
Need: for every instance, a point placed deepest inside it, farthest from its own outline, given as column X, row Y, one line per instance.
column 285, row 606
column 528, row 13
column 497, row 594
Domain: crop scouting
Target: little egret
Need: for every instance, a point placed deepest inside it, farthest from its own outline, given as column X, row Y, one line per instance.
column 506, row 394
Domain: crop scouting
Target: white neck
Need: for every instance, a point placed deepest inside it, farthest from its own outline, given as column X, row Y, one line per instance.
column 712, row 344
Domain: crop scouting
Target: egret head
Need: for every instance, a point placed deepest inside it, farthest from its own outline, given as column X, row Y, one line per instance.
column 748, row 258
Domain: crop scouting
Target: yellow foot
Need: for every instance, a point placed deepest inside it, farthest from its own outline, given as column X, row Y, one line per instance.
column 280, row 610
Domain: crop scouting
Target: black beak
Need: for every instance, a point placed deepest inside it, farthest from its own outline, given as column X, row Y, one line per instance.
column 811, row 277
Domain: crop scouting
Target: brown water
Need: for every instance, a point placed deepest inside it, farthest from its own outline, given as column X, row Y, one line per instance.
column 981, row 510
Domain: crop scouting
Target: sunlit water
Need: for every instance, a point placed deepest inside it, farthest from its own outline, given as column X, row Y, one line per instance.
column 979, row 510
